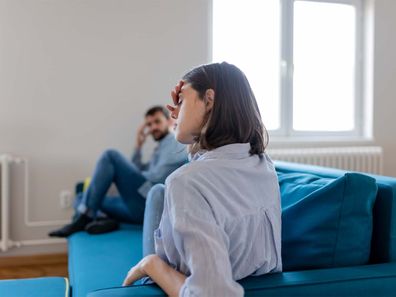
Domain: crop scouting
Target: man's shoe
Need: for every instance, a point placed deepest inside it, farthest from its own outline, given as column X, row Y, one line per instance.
column 102, row 226
column 78, row 225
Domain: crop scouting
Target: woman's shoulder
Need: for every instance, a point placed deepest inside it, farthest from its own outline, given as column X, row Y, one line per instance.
column 187, row 172
column 186, row 179
column 208, row 168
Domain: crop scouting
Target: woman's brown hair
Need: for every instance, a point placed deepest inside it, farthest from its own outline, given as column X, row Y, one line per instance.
column 235, row 116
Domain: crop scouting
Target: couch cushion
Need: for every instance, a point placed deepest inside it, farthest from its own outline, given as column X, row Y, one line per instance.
column 35, row 287
column 383, row 244
column 101, row 261
column 326, row 222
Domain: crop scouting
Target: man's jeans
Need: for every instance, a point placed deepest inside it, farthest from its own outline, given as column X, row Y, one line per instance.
column 111, row 167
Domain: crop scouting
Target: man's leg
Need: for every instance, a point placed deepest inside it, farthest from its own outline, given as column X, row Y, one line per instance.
column 112, row 211
column 115, row 208
column 152, row 217
column 114, row 167
column 77, row 201
column 111, row 167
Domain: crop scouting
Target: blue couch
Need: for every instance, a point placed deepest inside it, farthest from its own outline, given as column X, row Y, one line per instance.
column 98, row 264
column 358, row 266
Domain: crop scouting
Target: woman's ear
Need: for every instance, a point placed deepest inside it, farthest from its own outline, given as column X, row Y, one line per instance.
column 209, row 96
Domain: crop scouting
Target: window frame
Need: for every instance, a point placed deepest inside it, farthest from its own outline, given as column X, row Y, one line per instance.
column 286, row 129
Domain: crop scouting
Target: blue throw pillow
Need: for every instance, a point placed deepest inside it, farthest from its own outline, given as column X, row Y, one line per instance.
column 326, row 222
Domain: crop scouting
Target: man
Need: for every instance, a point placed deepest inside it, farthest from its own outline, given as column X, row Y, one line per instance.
column 132, row 179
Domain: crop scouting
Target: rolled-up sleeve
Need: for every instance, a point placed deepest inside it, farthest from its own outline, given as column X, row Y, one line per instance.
column 200, row 241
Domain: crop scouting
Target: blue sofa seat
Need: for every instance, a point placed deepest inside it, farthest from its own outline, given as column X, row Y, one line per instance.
column 35, row 287
column 99, row 263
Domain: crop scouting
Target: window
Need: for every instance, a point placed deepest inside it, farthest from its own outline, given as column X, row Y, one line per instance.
column 302, row 58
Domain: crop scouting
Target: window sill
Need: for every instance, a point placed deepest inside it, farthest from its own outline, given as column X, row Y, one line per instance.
column 318, row 141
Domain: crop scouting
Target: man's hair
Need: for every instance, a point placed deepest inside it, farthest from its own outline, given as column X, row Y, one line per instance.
column 158, row 108
column 235, row 117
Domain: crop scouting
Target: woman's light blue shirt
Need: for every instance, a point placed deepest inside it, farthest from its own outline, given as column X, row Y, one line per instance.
column 221, row 221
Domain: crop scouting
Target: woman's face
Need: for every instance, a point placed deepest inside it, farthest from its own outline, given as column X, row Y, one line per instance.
column 189, row 114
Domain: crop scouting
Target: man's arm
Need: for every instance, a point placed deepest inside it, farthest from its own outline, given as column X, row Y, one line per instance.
column 137, row 160
column 171, row 157
column 137, row 153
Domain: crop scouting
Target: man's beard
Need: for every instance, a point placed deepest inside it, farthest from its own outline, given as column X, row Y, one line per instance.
column 160, row 136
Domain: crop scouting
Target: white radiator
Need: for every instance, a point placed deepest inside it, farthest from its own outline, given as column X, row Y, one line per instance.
column 362, row 159
column 6, row 161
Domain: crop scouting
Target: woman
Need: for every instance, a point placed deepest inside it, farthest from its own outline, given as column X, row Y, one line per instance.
column 221, row 219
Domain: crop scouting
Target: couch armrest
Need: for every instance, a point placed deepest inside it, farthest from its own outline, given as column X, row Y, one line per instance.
column 366, row 280
column 137, row 290
column 35, row 287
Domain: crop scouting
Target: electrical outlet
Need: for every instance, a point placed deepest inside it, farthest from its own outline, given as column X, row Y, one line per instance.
column 65, row 199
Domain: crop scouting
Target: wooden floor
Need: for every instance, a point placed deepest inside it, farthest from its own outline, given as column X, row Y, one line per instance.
column 33, row 266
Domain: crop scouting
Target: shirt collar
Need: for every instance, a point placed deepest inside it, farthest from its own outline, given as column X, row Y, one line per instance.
column 229, row 151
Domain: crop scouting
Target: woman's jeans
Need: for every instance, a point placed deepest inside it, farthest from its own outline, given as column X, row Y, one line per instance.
column 152, row 217
column 111, row 167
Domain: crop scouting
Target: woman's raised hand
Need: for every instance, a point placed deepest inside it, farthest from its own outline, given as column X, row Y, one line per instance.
column 176, row 91
column 175, row 96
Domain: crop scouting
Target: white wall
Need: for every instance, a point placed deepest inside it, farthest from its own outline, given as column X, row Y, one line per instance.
column 76, row 76
column 385, row 81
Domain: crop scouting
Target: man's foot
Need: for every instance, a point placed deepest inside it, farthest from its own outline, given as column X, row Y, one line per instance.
column 102, row 226
column 78, row 225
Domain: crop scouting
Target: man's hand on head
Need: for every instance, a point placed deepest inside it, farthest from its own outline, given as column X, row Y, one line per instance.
column 141, row 135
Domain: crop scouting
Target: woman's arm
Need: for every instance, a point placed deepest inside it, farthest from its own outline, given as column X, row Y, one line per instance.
column 200, row 241
column 169, row 279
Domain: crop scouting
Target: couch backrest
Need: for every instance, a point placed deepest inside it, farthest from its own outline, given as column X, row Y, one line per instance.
column 383, row 244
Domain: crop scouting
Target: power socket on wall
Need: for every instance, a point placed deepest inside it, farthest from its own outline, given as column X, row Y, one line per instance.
column 65, row 199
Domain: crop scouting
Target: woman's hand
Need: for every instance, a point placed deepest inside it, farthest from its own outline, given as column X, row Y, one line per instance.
column 176, row 91
column 175, row 97
column 169, row 279
column 138, row 271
